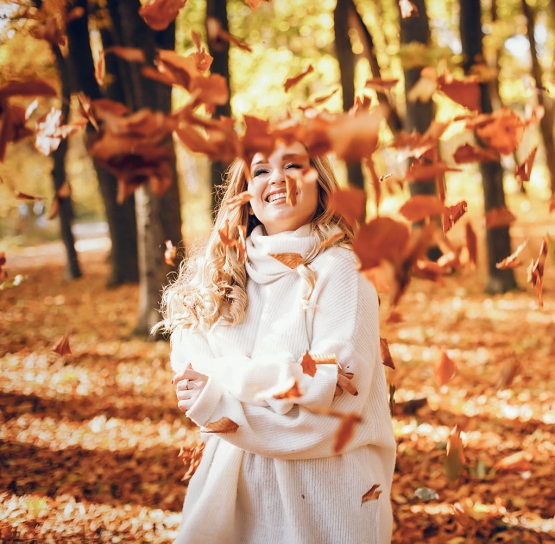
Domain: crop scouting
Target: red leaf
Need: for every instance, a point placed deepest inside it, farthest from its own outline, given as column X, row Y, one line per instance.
column 501, row 130
column 420, row 207
column 523, row 171
column 346, row 431
column 468, row 153
column 348, row 203
column 512, row 261
column 499, row 217
column 386, row 354
column 24, row 196
column 381, row 85
column 61, row 347
column 253, row 4
column 289, row 82
column 451, row 214
column 291, row 260
column 33, row 87
column 292, row 393
column 238, row 200
column 445, row 370
column 535, row 272
column 465, row 92
column 224, row 235
column 420, row 171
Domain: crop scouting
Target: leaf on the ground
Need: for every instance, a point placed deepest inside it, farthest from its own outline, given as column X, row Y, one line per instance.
column 387, row 360
column 373, row 494
column 408, row 9
column 516, row 462
column 61, row 347
column 470, row 153
column 289, row 82
column 419, row 207
column 523, row 171
column 238, row 200
column 349, row 203
column 159, row 14
column 445, row 369
column 170, row 253
column 499, row 217
column 451, row 214
column 222, row 426
column 535, row 272
column 454, row 460
column 291, row 260
column 346, row 431
column 512, row 261
column 218, row 35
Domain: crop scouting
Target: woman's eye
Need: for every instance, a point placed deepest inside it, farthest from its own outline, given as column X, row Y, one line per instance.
column 259, row 172
column 293, row 166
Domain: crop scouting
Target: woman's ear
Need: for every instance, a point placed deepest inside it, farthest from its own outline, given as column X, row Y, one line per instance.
column 251, row 211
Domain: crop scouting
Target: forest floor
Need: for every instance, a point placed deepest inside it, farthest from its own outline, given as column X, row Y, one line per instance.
column 89, row 442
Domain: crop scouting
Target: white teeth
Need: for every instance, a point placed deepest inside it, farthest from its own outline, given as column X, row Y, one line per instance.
column 275, row 196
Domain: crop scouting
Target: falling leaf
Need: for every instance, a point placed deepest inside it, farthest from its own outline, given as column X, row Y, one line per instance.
column 293, row 392
column 420, row 207
column 348, row 203
column 512, row 261
column 501, row 131
column 291, row 260
column 523, row 171
column 222, row 426
column 159, row 14
column 61, row 347
column 372, row 494
column 50, row 132
column 550, row 247
column 386, row 354
column 253, row 4
column 289, row 82
column 424, row 88
column 100, row 69
column 224, row 235
column 469, row 153
column 499, row 217
column 465, row 92
column 242, row 244
column 346, row 431
column 535, row 272
column 32, row 87
column 238, row 200
column 451, row 214
column 510, row 370
column 420, row 171
column 362, row 104
column 170, row 253
column 130, row 54
column 455, row 460
column 408, row 9
column 319, row 100
column 191, row 458
column 217, row 34
column 62, row 193
column 445, row 369
column 381, row 85
column 308, row 364
column 291, row 190
column 469, row 251
column 516, row 462
column 395, row 317
column 25, row 196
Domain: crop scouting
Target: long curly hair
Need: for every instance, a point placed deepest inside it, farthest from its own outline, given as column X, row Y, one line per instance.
column 212, row 282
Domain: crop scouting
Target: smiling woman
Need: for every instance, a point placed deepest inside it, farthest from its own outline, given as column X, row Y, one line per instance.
column 275, row 345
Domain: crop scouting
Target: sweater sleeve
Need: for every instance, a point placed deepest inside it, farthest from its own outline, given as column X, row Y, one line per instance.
column 346, row 324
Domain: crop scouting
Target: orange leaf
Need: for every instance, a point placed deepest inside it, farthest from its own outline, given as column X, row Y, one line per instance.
column 510, row 370
column 327, row 243
column 501, row 130
column 158, row 14
column 292, row 393
column 308, row 364
column 420, row 171
column 535, row 272
column 517, row 462
column 253, row 4
column 523, row 171
column 455, row 460
column 61, row 347
column 238, row 200
column 291, row 188
column 345, row 431
column 451, row 214
column 395, row 317
column 130, row 54
column 386, row 354
column 242, row 244
column 289, row 82
column 216, row 33
column 499, row 217
column 222, row 426
column 348, row 203
column 469, row 251
column 512, row 261
column 224, row 235
column 372, row 494
column 445, row 370
column 420, row 207
column 170, row 253
column 292, row 260
column 465, row 92
column 25, row 196
column 469, row 153
column 381, row 85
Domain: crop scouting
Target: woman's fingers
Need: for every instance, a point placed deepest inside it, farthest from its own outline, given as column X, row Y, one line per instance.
column 345, row 382
column 181, row 375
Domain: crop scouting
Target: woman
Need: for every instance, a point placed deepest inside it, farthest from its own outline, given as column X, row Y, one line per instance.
column 239, row 333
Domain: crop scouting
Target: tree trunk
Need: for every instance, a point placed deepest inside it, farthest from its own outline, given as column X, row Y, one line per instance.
column 158, row 218
column 120, row 217
column 346, row 59
column 73, row 270
column 498, row 239
column 546, row 122
column 219, row 49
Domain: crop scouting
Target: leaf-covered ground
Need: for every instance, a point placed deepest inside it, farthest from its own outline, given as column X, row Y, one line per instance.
column 89, row 442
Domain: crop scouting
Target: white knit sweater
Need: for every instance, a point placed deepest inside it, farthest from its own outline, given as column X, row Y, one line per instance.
column 277, row 480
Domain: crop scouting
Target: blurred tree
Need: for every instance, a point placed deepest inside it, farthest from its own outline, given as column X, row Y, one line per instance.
column 498, row 241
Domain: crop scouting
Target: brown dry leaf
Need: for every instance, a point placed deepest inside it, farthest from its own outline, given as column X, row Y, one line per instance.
column 512, row 261
column 445, row 369
column 130, row 54
column 63, row 192
column 451, row 214
column 292, row 393
column 348, row 203
column 289, row 82
column 159, row 14
column 61, row 347
column 523, row 171
column 381, row 85
column 291, row 190
column 238, row 200
column 386, row 354
column 32, row 87
column 224, row 235
column 253, row 4
column 345, row 431
column 331, row 240
column 421, row 171
column 395, row 317
column 354, row 138
column 170, row 253
column 191, row 458
column 100, row 69
column 372, row 494
column 510, row 370
column 257, row 137
column 419, row 207
column 24, row 196
column 222, row 426
column 292, row 260
column 455, row 460
column 535, row 272
column 217, row 34
column 516, row 462
column 469, row 153
column 469, row 252
column 242, row 244
column 408, row 9
column 3, row 273
column 308, row 364
column 499, row 217
column 465, row 92
column 378, row 278
column 502, row 130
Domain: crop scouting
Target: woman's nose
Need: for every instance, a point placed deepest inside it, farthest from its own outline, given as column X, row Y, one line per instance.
column 277, row 176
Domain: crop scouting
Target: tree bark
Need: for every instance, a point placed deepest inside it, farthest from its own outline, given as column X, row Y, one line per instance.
column 219, row 49
column 546, row 122
column 158, row 218
column 346, row 59
column 65, row 213
column 498, row 239
column 120, row 217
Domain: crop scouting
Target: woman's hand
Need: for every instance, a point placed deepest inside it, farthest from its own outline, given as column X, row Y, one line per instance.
column 344, row 383
column 188, row 387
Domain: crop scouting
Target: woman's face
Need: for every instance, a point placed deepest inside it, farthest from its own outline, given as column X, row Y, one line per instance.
column 268, row 187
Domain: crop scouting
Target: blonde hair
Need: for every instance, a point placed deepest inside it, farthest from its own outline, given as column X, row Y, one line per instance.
column 212, row 283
